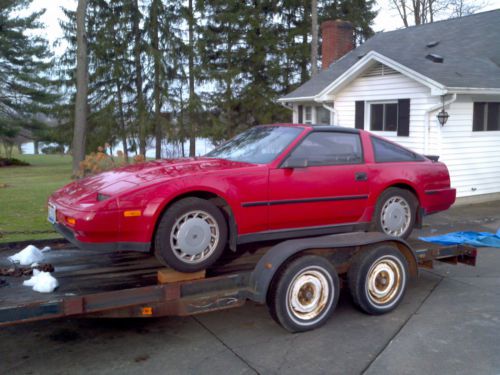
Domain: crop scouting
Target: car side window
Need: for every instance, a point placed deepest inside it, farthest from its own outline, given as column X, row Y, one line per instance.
column 327, row 148
column 389, row 152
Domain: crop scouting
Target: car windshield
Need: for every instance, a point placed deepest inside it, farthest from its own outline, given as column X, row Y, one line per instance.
column 258, row 145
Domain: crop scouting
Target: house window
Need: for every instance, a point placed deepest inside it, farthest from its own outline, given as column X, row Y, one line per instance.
column 322, row 116
column 486, row 116
column 311, row 114
column 384, row 116
column 308, row 115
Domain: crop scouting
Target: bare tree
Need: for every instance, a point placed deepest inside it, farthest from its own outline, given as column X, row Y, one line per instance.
column 426, row 11
column 462, row 8
column 314, row 43
column 80, row 130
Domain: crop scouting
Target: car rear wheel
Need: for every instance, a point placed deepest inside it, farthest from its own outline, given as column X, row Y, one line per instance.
column 378, row 279
column 395, row 212
column 191, row 235
column 304, row 294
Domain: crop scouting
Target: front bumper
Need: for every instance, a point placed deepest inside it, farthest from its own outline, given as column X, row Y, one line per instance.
column 68, row 234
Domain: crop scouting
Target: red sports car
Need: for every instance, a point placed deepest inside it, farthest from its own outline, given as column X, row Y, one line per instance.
column 270, row 182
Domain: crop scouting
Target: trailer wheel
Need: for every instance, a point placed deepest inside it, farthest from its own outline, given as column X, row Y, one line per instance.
column 378, row 279
column 305, row 294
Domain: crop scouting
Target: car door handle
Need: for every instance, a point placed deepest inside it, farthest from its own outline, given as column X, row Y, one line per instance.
column 361, row 176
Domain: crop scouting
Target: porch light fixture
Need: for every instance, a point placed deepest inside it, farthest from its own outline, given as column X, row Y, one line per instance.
column 443, row 116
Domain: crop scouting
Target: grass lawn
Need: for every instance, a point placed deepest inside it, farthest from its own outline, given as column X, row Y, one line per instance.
column 23, row 211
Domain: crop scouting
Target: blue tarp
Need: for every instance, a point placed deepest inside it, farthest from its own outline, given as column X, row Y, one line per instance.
column 477, row 239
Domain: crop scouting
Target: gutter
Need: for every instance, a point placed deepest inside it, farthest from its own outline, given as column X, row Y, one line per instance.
column 285, row 104
column 428, row 113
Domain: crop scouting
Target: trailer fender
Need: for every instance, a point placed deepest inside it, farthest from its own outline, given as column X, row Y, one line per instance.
column 267, row 267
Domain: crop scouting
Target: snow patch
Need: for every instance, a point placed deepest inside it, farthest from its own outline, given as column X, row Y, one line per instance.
column 42, row 282
column 29, row 255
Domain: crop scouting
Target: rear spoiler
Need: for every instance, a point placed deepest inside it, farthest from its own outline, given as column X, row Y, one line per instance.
column 432, row 157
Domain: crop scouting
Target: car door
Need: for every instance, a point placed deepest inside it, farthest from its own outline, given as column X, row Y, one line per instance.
column 323, row 181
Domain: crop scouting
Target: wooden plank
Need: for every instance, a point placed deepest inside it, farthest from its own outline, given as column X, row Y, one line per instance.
column 168, row 275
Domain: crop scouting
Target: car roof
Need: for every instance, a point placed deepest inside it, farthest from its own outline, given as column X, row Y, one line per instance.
column 323, row 128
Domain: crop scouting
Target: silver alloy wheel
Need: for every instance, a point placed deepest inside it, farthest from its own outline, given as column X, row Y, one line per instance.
column 395, row 216
column 308, row 294
column 384, row 281
column 194, row 237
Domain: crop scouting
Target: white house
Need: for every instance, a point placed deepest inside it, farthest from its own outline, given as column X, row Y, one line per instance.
column 397, row 82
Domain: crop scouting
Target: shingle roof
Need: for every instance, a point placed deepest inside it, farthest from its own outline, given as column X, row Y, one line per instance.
column 470, row 47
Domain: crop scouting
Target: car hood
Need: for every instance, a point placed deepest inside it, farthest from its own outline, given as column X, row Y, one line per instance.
column 117, row 181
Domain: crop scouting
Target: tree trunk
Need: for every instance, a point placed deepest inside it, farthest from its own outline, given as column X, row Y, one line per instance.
column 400, row 6
column 156, row 88
column 80, row 130
column 36, row 148
column 141, row 107
column 192, row 127
column 303, row 64
column 122, row 121
column 314, row 43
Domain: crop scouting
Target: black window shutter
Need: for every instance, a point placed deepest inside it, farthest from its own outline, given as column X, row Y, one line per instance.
column 478, row 117
column 301, row 116
column 359, row 115
column 493, row 109
column 403, row 117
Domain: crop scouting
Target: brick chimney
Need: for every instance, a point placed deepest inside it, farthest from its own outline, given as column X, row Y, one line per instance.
column 338, row 39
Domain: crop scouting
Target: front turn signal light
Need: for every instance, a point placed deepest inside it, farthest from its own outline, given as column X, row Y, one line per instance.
column 132, row 213
column 71, row 221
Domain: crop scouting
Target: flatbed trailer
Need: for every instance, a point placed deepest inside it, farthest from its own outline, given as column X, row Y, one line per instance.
column 298, row 279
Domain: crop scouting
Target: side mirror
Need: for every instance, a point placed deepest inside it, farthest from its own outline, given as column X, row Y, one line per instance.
column 295, row 163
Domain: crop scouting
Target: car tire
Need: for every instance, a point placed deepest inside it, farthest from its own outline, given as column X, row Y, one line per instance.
column 191, row 235
column 378, row 279
column 304, row 294
column 395, row 213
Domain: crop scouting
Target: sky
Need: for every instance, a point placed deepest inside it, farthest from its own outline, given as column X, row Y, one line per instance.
column 386, row 20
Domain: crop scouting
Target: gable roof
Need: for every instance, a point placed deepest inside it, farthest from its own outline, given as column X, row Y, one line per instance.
column 469, row 46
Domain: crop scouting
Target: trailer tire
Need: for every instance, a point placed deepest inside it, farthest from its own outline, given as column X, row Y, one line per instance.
column 304, row 294
column 378, row 279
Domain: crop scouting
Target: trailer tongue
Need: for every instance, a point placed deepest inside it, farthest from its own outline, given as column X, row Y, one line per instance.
column 298, row 279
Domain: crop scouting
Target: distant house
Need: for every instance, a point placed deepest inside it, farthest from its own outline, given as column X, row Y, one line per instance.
column 397, row 82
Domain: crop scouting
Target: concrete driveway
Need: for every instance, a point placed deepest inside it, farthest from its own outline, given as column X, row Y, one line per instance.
column 448, row 323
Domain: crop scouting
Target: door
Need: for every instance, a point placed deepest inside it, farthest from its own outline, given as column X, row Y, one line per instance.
column 323, row 181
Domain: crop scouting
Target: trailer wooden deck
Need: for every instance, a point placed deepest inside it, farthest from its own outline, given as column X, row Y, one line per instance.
column 97, row 283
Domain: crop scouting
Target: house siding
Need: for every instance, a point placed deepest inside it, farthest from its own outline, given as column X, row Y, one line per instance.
column 473, row 158
column 382, row 88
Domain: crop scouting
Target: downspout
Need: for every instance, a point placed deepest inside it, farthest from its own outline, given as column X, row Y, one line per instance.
column 428, row 112
column 332, row 110
column 285, row 104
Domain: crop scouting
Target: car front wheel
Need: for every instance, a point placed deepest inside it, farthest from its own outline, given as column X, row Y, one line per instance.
column 395, row 213
column 191, row 235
